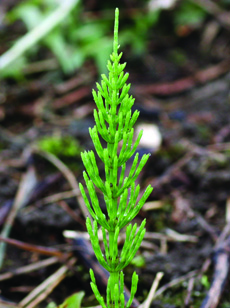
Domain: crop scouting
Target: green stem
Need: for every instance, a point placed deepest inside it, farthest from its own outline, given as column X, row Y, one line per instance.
column 113, row 258
column 113, row 212
column 114, row 276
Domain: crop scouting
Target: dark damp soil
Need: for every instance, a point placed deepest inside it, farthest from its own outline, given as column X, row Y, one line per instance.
column 189, row 170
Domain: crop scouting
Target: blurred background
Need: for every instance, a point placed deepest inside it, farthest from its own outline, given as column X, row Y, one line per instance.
column 52, row 39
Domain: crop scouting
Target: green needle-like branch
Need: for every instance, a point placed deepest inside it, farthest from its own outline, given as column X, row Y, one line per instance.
column 113, row 138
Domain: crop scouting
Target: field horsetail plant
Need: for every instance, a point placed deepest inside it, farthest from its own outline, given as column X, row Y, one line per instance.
column 114, row 123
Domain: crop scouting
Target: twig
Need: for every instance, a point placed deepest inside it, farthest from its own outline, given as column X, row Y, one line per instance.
column 223, row 236
column 36, row 34
column 221, row 270
column 71, row 98
column 46, row 292
column 46, row 287
column 219, row 146
column 192, row 150
column 152, row 205
column 180, row 237
column 39, row 249
column 70, row 212
column 190, row 288
column 26, row 186
column 175, row 282
column 187, row 83
column 205, row 225
column 170, row 236
column 4, row 304
column 68, row 175
column 214, row 9
column 228, row 210
column 221, row 267
column 29, row 268
column 75, row 82
column 166, row 176
column 59, row 196
column 173, row 237
column 152, row 292
column 41, row 66
column 4, row 210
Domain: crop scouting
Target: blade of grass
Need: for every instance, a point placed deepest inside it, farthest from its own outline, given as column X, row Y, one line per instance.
column 36, row 34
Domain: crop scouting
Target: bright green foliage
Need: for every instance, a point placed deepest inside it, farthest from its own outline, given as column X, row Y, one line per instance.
column 73, row 40
column 114, row 123
column 189, row 13
column 60, row 145
column 73, row 301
